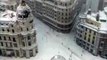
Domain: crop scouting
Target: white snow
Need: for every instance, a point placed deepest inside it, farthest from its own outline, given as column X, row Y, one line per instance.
column 7, row 16
column 102, row 21
column 51, row 43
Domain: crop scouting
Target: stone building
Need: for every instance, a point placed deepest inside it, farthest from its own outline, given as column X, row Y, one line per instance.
column 94, row 5
column 17, row 33
column 58, row 14
column 8, row 4
column 91, row 33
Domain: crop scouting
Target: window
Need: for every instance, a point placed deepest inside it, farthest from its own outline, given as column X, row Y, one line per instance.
column 87, row 48
column 9, row 38
column 23, row 43
column 31, row 53
column 88, row 39
column 29, row 43
column 90, row 31
column 0, row 38
column 6, row 44
column 11, row 25
column 94, row 33
column 92, row 41
column 12, row 30
column 29, row 38
column 14, row 40
column 85, row 34
column 23, row 23
column 7, row 30
column 1, row 43
column 32, row 26
column 31, row 21
column 65, row 4
column 86, row 29
column 84, row 37
column 4, row 38
column 12, row 7
column 24, row 53
column 17, row 52
column 91, row 51
column 15, row 45
column 93, row 38
column 2, row 29
column 80, row 35
column 20, row 16
column 36, row 50
column 27, row 29
column 21, row 29
column 10, row 44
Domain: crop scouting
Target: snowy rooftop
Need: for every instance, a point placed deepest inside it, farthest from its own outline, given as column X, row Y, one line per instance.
column 63, row 0
column 8, row 2
column 102, row 21
column 8, row 16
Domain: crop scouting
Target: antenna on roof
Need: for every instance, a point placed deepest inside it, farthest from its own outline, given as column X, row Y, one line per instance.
column 97, row 17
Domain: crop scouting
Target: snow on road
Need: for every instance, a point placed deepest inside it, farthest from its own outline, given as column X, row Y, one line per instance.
column 51, row 43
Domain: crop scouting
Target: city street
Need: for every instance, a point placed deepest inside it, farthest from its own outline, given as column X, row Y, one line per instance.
column 51, row 43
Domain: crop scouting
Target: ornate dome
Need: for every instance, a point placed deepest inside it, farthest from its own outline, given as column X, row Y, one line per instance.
column 58, row 57
column 23, row 10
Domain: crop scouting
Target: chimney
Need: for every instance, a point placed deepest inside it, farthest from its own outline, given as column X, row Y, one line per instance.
column 97, row 17
column 89, row 11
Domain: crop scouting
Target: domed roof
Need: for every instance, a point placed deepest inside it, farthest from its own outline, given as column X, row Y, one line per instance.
column 23, row 6
column 23, row 9
column 58, row 57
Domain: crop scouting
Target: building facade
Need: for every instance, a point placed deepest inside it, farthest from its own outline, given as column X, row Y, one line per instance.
column 105, row 3
column 94, row 5
column 91, row 33
column 8, row 4
column 17, row 33
column 58, row 14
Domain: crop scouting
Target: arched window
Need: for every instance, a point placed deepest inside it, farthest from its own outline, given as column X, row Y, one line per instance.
column 31, row 21
column 29, row 43
column 12, row 31
column 4, row 38
column 0, row 38
column 29, row 37
column 14, row 40
column 27, row 29
column 9, row 38
column 7, row 30
column 21, row 29
column 11, row 25
column 2, row 29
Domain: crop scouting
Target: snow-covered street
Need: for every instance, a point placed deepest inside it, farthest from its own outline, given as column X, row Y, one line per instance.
column 51, row 43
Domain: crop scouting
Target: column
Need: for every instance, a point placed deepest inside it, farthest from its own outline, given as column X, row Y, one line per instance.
column 27, row 54
column 15, row 53
column 34, row 51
